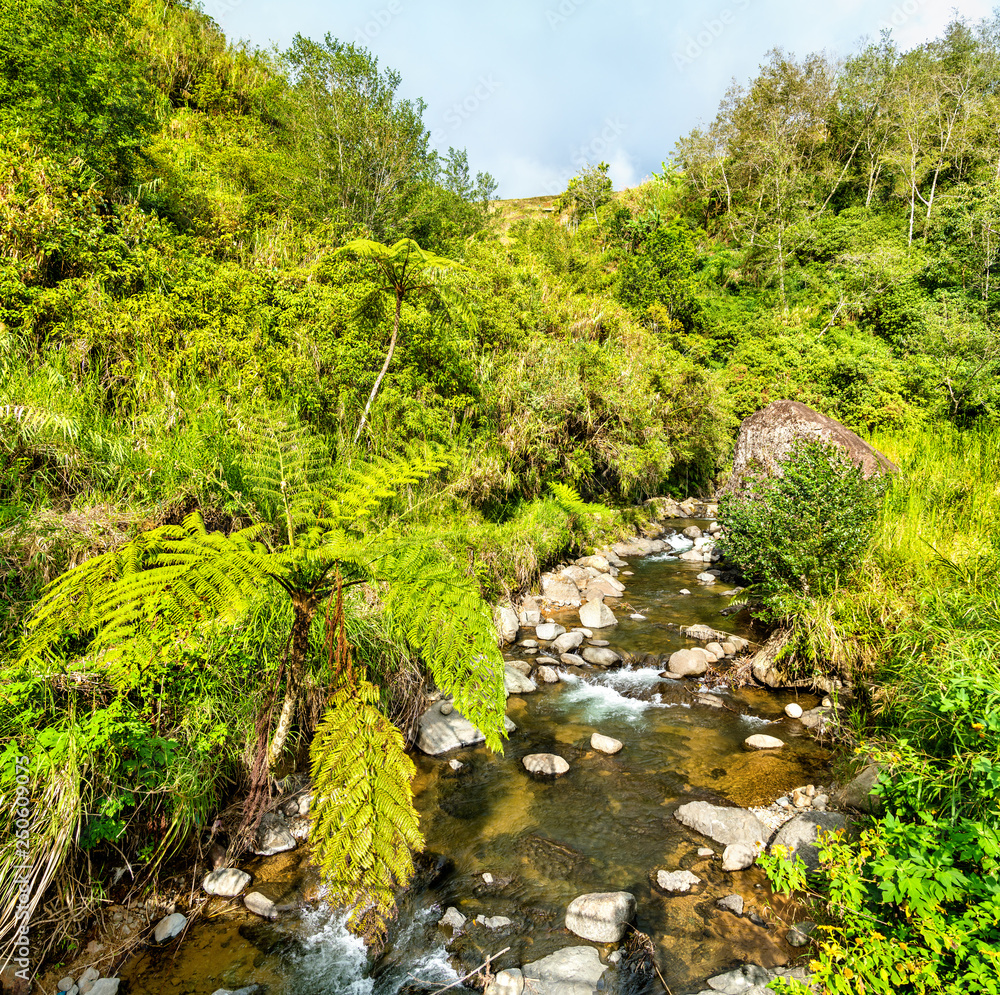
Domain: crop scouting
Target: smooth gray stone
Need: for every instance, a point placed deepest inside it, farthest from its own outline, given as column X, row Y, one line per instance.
column 570, row 971
column 442, row 733
column 799, row 834
column 600, row 916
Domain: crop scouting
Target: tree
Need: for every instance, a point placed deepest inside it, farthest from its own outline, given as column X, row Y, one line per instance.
column 405, row 271
column 312, row 540
column 588, row 190
column 364, row 147
column 71, row 80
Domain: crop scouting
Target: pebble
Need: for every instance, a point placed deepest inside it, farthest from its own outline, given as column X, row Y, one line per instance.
column 605, row 744
column 705, row 851
column 455, row 764
column 793, row 710
column 638, row 618
column 761, row 742
column 683, row 590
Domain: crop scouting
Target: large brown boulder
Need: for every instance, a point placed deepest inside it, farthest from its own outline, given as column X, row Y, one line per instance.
column 766, row 438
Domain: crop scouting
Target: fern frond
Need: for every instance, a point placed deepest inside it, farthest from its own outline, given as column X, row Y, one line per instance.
column 438, row 611
column 568, row 498
column 178, row 575
column 365, row 828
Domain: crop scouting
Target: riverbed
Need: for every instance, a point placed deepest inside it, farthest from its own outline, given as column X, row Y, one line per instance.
column 503, row 842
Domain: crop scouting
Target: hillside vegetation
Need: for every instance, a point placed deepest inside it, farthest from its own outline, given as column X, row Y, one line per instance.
column 186, row 357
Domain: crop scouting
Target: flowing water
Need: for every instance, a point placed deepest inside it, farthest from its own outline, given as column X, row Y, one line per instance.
column 607, row 825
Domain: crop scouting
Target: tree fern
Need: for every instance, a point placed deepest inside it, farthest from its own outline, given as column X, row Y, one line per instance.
column 364, row 824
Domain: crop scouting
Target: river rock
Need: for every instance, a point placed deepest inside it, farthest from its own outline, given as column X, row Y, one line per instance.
column 761, row 742
column 227, row 882
column 596, row 614
column 521, row 666
column 566, row 642
column 604, row 586
column 692, row 532
column 793, row 710
column 570, row 971
column 273, row 837
column 731, row 903
column 799, row 834
column 685, row 663
column 766, row 438
column 716, row 648
column 801, row 933
column 722, row 824
column 545, row 763
column 572, row 660
column 679, row 881
column 260, row 905
column 166, row 929
column 493, row 922
column 596, row 562
column 103, row 986
column 599, row 656
column 605, row 744
column 558, row 588
column 516, row 683
column 67, row 983
column 247, row 990
column 89, row 976
column 547, row 675
column 600, row 916
column 706, row 578
column 857, row 793
column 441, row 733
column 549, row 630
column 741, row 980
column 452, row 918
column 738, row 856
column 507, row 624
column 509, row 982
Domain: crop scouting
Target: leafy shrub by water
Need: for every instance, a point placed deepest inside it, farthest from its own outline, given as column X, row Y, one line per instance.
column 799, row 531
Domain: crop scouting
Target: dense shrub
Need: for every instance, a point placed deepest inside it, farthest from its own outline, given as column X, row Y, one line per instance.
column 800, row 530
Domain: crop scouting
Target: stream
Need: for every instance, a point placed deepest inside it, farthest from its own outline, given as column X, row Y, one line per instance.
column 606, row 825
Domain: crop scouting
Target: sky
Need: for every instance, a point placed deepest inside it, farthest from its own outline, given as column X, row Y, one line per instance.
column 535, row 89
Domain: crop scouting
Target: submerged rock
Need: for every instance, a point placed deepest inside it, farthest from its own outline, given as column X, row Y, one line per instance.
column 452, row 918
column 679, row 881
column 731, row 903
column 761, row 742
column 600, row 916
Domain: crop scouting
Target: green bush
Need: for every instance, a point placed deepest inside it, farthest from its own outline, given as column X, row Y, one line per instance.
column 798, row 532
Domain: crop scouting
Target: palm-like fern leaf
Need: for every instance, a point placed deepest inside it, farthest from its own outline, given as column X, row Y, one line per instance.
column 364, row 825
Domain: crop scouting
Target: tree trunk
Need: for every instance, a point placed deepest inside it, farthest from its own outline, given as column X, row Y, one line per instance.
column 385, row 366
column 304, row 612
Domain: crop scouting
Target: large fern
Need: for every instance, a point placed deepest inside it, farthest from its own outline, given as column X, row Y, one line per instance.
column 184, row 577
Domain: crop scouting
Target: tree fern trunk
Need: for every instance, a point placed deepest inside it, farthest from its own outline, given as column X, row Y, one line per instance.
column 385, row 366
column 304, row 612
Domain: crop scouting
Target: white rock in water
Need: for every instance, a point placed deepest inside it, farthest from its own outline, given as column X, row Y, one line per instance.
column 455, row 764
column 683, row 590
column 487, row 877
column 737, row 857
column 793, row 710
column 597, row 615
column 761, row 742
column 452, row 918
column 638, row 617
column 549, row 630
column 547, row 675
column 679, row 881
column 566, row 642
column 166, row 929
column 570, row 971
column 516, row 683
column 226, row 881
column 493, row 922
column 600, row 916
column 507, row 624
column 260, row 905
column 442, row 733
column 605, row 744
column 685, row 663
column 599, row 656
column 509, row 982
column 545, row 763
